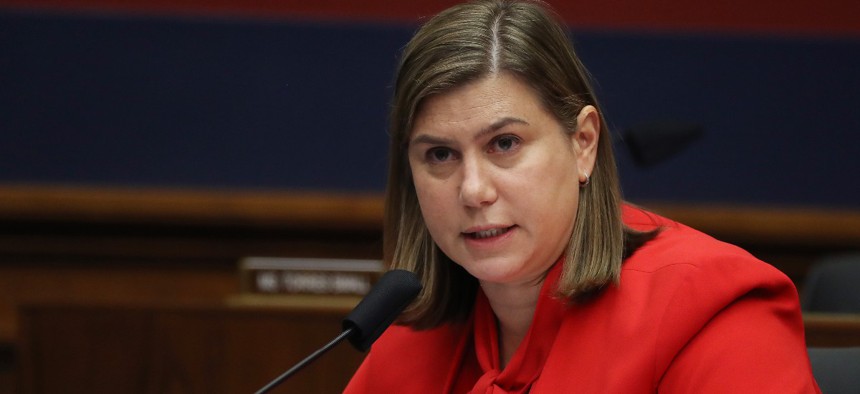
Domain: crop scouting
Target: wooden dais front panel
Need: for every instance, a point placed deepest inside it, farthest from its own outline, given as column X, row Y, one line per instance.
column 212, row 349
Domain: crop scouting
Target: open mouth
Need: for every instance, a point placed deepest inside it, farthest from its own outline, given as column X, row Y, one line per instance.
column 493, row 232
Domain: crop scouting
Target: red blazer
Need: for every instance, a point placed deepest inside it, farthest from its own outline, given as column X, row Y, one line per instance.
column 691, row 315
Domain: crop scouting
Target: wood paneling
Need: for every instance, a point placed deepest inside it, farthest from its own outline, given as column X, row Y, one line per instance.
column 786, row 226
column 92, row 244
column 190, row 349
column 832, row 330
column 306, row 210
column 97, row 245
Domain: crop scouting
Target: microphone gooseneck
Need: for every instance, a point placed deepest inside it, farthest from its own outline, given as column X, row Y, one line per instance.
column 303, row 363
column 369, row 319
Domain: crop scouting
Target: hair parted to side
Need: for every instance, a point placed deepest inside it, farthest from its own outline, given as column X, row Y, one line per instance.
column 463, row 44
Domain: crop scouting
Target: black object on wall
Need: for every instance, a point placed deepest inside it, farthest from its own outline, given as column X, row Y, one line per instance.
column 655, row 142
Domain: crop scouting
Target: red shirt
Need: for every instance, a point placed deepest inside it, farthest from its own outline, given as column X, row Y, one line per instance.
column 691, row 315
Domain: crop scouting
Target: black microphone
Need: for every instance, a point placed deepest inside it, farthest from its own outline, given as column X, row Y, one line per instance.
column 376, row 311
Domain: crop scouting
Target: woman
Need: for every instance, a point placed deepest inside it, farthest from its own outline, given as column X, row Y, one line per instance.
column 503, row 197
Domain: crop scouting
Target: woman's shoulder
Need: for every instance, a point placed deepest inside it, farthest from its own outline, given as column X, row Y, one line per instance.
column 686, row 292
column 683, row 269
column 688, row 309
column 681, row 248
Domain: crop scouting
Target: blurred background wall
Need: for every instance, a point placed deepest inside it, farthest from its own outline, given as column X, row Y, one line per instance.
column 293, row 95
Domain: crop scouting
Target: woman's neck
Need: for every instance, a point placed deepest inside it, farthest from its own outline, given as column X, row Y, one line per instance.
column 514, row 307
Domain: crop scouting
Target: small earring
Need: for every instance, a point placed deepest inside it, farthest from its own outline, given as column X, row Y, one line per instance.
column 587, row 180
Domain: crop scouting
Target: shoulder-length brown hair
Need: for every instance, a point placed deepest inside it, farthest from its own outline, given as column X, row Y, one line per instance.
column 462, row 44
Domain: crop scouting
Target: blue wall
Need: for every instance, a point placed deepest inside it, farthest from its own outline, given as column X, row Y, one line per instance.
column 193, row 102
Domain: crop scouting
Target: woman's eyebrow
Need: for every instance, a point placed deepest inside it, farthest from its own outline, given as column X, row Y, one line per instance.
column 499, row 124
column 431, row 140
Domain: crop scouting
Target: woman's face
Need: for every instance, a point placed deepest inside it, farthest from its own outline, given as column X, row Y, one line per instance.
column 497, row 177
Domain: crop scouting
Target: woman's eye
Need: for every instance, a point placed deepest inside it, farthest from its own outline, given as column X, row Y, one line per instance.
column 505, row 143
column 437, row 155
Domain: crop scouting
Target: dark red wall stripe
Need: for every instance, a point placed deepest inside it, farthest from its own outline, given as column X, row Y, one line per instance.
column 804, row 17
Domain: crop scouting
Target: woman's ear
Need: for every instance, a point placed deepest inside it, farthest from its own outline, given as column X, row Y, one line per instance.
column 585, row 140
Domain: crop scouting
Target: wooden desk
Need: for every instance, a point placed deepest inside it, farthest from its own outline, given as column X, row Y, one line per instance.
column 190, row 349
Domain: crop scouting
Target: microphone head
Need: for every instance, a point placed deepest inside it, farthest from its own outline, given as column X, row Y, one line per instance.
column 376, row 311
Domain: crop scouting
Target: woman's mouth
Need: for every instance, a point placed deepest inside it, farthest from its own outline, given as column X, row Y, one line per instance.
column 489, row 233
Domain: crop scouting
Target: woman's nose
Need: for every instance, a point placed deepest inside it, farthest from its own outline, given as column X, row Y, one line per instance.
column 477, row 188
